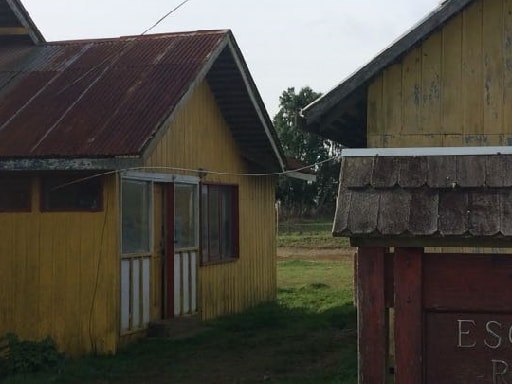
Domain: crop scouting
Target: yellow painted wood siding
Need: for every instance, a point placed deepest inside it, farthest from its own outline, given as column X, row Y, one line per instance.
column 199, row 137
column 59, row 274
column 453, row 90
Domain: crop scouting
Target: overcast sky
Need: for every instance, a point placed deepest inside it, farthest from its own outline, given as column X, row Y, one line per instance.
column 286, row 43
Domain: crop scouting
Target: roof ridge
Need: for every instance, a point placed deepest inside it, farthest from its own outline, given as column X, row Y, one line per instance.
column 102, row 40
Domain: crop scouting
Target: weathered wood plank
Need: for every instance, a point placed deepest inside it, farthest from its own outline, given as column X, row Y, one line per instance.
column 371, row 315
column 424, row 212
column 484, row 208
column 472, row 73
column 394, row 208
column 385, row 172
column 466, row 282
column 392, row 100
column 356, row 172
column 408, row 315
column 413, row 172
column 430, row 115
column 471, row 171
column 442, row 171
column 375, row 124
column 453, row 207
column 364, row 210
column 492, row 42
column 507, row 73
column 411, row 93
column 452, row 81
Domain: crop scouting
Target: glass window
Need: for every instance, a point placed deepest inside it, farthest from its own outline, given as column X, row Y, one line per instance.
column 71, row 193
column 15, row 193
column 185, row 222
column 136, row 223
column 219, row 219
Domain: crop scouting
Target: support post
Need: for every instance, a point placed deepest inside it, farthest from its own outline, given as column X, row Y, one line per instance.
column 408, row 316
column 371, row 315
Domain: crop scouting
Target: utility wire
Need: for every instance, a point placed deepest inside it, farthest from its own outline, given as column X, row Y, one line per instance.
column 165, row 17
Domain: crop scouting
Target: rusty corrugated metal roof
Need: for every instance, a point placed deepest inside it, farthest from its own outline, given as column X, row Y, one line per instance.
column 416, row 199
column 95, row 98
column 109, row 98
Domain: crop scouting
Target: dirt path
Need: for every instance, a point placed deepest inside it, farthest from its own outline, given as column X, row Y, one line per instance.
column 292, row 253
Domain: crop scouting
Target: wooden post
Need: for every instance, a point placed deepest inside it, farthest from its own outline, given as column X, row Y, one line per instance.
column 408, row 316
column 371, row 319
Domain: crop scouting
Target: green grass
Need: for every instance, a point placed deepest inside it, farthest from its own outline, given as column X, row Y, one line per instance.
column 307, row 336
column 308, row 234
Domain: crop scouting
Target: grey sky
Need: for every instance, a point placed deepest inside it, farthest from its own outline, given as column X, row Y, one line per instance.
column 285, row 42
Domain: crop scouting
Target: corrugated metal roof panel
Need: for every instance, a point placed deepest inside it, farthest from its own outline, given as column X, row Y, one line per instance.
column 95, row 98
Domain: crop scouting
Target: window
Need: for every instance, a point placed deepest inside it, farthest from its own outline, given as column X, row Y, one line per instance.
column 185, row 220
column 15, row 193
column 71, row 193
column 136, row 222
column 219, row 222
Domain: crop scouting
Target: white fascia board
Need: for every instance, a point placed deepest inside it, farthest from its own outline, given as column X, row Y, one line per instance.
column 302, row 176
column 160, row 177
column 426, row 151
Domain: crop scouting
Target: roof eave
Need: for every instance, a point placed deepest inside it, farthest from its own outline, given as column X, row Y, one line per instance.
column 70, row 164
column 313, row 112
column 258, row 103
column 25, row 19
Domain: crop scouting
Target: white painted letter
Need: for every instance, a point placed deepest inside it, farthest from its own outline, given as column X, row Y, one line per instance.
column 499, row 369
column 465, row 332
column 492, row 333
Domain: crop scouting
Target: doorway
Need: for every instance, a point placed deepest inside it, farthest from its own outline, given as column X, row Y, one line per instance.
column 181, row 249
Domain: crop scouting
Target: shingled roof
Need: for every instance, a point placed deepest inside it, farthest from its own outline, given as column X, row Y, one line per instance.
column 341, row 113
column 426, row 200
column 101, row 103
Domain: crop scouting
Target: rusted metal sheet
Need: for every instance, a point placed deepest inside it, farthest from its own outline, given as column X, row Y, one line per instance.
column 96, row 98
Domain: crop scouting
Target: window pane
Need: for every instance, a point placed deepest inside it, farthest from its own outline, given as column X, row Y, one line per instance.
column 219, row 218
column 204, row 221
column 214, row 224
column 227, row 225
column 185, row 226
column 135, row 216
column 71, row 193
column 15, row 193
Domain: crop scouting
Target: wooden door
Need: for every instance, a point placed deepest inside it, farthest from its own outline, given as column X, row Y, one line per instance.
column 182, row 250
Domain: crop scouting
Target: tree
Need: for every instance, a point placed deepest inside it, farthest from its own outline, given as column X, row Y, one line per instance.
column 297, row 197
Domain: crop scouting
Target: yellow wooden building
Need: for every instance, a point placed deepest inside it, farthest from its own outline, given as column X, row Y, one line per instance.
column 425, row 177
column 137, row 180
column 446, row 83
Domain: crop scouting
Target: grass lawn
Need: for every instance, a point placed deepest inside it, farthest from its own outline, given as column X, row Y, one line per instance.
column 309, row 234
column 307, row 336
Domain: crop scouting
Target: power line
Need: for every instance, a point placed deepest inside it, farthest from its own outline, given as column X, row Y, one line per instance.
column 165, row 17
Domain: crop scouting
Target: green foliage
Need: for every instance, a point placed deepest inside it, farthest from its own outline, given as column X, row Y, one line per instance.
column 298, row 198
column 26, row 356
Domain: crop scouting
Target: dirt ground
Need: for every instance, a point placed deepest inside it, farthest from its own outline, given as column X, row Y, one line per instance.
column 291, row 253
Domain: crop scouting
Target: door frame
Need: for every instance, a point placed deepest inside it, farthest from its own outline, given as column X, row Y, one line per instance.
column 165, row 180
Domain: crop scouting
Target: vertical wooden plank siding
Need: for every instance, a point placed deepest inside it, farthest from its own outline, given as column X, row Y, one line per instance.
column 59, row 274
column 372, row 327
column 408, row 315
column 451, row 83
column 493, row 71
column 375, row 113
column 456, row 85
column 199, row 137
column 411, row 99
